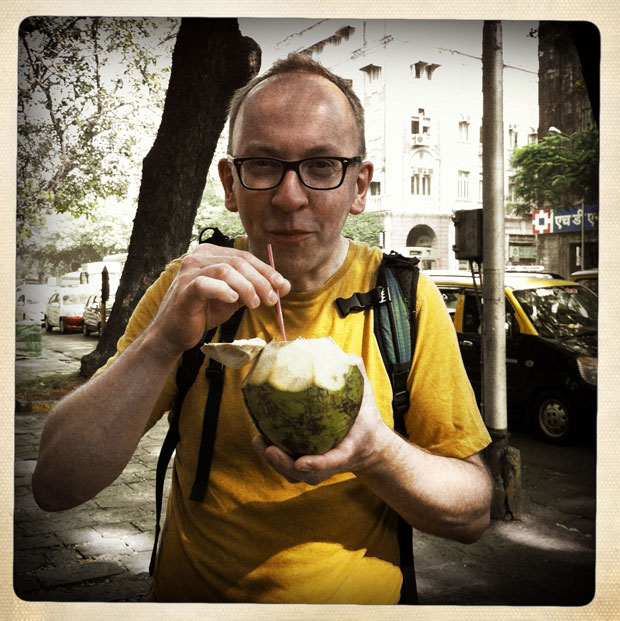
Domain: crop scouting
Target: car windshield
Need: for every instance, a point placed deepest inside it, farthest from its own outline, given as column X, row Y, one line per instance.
column 564, row 310
column 74, row 298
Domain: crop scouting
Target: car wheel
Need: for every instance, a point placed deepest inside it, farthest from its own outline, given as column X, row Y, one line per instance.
column 85, row 329
column 63, row 326
column 48, row 328
column 553, row 416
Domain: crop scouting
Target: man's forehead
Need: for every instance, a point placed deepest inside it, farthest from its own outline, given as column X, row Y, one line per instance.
column 289, row 85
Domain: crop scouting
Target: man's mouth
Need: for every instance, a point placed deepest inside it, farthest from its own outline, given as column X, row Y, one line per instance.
column 288, row 235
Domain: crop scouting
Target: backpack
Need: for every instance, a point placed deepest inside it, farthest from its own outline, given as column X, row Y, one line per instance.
column 395, row 325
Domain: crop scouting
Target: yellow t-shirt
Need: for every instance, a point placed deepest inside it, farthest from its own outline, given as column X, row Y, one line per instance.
column 258, row 538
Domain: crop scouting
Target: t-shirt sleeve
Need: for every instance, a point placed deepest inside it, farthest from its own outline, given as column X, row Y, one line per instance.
column 143, row 314
column 443, row 415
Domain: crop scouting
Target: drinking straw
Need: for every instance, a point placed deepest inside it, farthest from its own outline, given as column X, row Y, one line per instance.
column 278, row 305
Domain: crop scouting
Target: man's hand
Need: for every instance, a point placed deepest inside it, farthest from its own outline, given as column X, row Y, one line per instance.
column 212, row 283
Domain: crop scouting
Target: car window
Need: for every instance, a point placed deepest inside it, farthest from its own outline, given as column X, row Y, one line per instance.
column 590, row 283
column 560, row 311
column 74, row 298
column 471, row 315
column 450, row 297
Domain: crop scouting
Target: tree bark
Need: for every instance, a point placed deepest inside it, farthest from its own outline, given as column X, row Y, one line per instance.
column 211, row 59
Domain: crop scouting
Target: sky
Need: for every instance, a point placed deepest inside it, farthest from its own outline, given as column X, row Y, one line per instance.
column 518, row 49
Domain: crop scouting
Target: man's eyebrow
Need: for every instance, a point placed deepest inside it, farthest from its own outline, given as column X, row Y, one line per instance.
column 316, row 151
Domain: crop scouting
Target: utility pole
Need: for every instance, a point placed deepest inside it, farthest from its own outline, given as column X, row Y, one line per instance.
column 503, row 461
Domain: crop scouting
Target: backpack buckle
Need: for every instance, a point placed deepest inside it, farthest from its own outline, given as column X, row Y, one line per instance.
column 359, row 301
column 215, row 370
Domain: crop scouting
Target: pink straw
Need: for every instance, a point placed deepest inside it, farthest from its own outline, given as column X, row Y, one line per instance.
column 278, row 305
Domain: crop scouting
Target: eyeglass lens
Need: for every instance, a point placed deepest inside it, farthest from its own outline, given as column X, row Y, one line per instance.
column 321, row 173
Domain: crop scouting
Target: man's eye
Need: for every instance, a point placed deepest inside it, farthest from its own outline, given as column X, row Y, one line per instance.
column 324, row 166
column 263, row 165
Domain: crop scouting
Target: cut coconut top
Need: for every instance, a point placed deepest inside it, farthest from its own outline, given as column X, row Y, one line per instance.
column 236, row 354
column 297, row 365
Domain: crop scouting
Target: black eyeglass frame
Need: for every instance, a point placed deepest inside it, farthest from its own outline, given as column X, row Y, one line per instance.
column 293, row 165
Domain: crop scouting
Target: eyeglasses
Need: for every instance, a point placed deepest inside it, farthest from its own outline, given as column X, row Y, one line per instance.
column 316, row 173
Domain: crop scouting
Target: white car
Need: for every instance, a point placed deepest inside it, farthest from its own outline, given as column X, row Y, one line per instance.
column 30, row 302
column 64, row 309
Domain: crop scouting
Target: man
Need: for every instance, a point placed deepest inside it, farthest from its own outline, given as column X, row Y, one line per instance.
column 320, row 529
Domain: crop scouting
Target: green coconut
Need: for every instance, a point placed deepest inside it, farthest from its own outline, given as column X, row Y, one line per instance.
column 303, row 395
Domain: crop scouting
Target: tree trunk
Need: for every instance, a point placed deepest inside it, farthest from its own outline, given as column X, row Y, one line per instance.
column 211, row 59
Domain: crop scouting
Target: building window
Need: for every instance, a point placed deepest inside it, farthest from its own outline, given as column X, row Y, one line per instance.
column 420, row 123
column 373, row 72
column 422, row 68
column 511, row 190
column 464, row 131
column 375, row 188
column 480, row 187
column 421, row 183
column 513, row 138
column 463, row 184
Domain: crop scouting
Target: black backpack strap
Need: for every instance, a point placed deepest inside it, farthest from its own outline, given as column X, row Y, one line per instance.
column 186, row 375
column 397, row 332
column 395, row 327
column 217, row 237
column 215, row 375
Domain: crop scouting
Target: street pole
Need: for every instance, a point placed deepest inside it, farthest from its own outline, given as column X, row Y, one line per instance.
column 583, row 235
column 504, row 462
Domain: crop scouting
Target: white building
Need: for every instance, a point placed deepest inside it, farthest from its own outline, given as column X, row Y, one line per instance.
column 421, row 86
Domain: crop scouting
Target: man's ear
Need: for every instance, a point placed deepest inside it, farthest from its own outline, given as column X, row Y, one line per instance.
column 226, row 177
column 364, row 177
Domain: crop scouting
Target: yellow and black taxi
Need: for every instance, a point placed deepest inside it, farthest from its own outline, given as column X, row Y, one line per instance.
column 551, row 347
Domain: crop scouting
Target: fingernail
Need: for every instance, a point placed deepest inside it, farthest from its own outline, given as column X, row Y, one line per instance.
column 304, row 468
column 272, row 297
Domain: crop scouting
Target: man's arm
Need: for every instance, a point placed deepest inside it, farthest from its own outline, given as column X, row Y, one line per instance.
column 91, row 434
column 443, row 496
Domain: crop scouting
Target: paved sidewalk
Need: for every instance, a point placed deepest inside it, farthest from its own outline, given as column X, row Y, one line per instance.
column 99, row 551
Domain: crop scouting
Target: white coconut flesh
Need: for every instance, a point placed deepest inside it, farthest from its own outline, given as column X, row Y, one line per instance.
column 296, row 365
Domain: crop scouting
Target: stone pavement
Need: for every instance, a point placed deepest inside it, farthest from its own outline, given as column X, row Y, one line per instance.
column 99, row 551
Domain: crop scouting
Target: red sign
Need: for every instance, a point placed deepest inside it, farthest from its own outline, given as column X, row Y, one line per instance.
column 542, row 221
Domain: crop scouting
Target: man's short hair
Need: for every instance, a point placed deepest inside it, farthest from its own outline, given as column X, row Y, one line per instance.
column 300, row 63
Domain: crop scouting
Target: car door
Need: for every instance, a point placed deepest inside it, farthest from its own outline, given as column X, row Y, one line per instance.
column 470, row 337
column 470, row 341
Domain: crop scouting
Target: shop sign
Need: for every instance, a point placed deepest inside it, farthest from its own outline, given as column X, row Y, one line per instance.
column 564, row 220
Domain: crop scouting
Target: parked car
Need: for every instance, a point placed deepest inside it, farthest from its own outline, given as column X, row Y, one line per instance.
column 551, row 348
column 91, row 315
column 64, row 309
column 30, row 302
column 587, row 278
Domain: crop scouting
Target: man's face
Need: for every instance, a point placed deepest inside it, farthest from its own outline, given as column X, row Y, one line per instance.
column 291, row 117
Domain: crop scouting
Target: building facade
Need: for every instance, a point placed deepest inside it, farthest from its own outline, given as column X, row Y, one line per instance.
column 421, row 86
column 565, row 107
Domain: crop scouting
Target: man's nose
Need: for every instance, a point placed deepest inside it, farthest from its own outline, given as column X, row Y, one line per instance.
column 291, row 194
